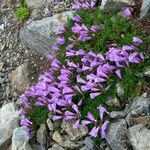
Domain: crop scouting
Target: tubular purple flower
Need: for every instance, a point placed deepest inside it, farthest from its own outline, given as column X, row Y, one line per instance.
column 84, row 36
column 137, row 40
column 55, row 118
column 102, row 111
column 55, row 48
column 133, row 58
column 94, row 131
column 76, row 125
column 25, row 122
column 103, row 129
column 77, row 18
column 86, row 122
column 91, row 117
column 80, row 80
column 93, row 95
column 75, row 108
column 128, row 48
column 118, row 73
column 95, row 28
column 60, row 40
column 126, row 12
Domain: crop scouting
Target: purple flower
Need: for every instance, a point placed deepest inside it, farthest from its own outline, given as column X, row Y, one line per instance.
column 102, row 111
column 103, row 129
column 91, row 117
column 94, row 131
column 137, row 40
column 60, row 40
column 25, row 122
column 76, row 124
column 118, row 73
column 55, row 48
column 93, row 95
column 95, row 28
column 128, row 48
column 127, row 12
column 134, row 58
column 77, row 18
column 61, row 30
column 55, row 118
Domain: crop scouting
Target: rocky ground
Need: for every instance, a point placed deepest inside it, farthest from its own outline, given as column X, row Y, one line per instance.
column 22, row 49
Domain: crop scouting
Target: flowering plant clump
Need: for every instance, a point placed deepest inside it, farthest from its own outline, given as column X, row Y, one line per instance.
column 83, row 75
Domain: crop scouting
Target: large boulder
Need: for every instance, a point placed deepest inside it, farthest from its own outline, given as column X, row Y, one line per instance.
column 145, row 9
column 20, row 139
column 36, row 35
column 139, row 137
column 9, row 120
column 117, row 135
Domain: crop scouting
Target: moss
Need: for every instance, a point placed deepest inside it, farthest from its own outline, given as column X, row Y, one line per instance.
column 37, row 115
column 22, row 13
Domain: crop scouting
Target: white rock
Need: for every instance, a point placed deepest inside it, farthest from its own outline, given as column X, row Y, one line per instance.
column 139, row 137
column 20, row 79
column 9, row 120
column 20, row 139
column 36, row 35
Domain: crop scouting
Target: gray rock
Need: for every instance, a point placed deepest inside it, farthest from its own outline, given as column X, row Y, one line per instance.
column 139, row 137
column 120, row 90
column 116, row 3
column 50, row 125
column 20, row 139
column 1, row 65
column 9, row 120
column 140, row 105
column 56, row 147
column 147, row 72
column 58, row 138
column 117, row 135
column 89, row 144
column 38, row 147
column 117, row 114
column 113, row 101
column 74, row 134
column 41, row 134
column 64, row 141
column 37, row 3
column 19, row 78
column 128, row 119
column 7, row 3
column 145, row 9
column 36, row 35
column 71, row 145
